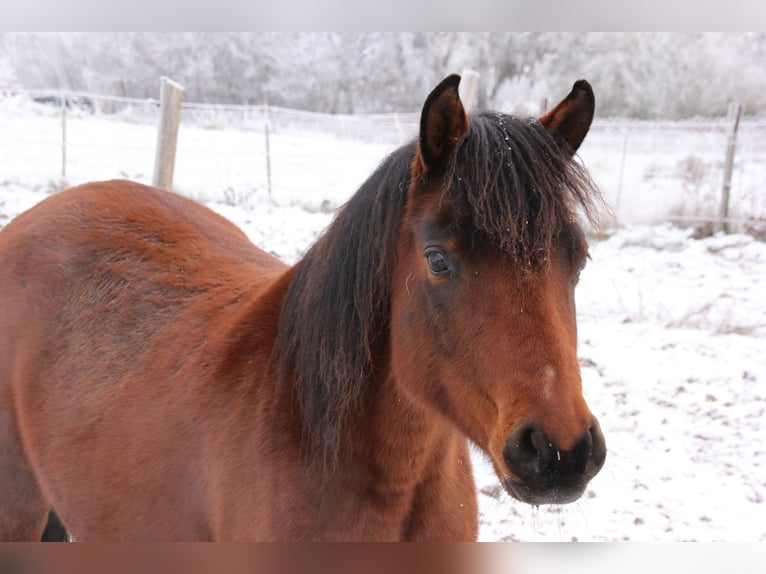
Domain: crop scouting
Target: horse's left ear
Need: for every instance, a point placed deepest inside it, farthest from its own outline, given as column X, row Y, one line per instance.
column 442, row 123
column 572, row 117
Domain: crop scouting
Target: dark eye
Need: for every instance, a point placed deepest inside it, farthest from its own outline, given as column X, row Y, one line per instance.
column 580, row 270
column 437, row 263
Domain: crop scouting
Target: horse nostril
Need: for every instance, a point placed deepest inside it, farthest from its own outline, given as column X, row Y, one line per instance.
column 528, row 451
column 547, row 452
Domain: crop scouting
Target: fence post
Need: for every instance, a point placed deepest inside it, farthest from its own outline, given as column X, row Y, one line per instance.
column 267, row 129
column 731, row 144
column 622, row 176
column 469, row 93
column 268, row 159
column 63, row 138
column 171, row 95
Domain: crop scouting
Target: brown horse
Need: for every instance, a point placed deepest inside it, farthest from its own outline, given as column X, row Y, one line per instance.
column 163, row 379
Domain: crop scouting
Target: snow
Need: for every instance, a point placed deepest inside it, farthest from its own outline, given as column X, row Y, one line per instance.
column 671, row 328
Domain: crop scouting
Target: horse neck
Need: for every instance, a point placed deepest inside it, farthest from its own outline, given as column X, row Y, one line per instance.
column 397, row 439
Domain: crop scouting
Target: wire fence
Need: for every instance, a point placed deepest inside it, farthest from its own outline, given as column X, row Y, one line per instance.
column 649, row 171
column 675, row 171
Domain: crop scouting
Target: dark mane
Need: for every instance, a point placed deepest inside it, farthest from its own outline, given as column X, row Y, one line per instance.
column 510, row 184
column 337, row 306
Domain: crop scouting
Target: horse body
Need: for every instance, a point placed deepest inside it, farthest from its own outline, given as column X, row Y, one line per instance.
column 207, row 421
column 161, row 378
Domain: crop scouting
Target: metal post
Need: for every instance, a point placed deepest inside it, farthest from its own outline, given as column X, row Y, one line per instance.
column 622, row 175
column 731, row 144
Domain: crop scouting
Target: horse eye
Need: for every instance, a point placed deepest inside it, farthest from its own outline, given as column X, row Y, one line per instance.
column 580, row 269
column 437, row 263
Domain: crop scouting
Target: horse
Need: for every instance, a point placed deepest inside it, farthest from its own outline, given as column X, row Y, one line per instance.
column 163, row 379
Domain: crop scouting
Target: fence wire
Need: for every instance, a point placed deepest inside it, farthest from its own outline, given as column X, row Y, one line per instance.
column 649, row 171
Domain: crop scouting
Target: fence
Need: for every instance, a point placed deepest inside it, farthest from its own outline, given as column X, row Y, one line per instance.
column 649, row 171
column 675, row 171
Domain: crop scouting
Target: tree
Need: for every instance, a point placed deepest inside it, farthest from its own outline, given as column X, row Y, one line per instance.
column 647, row 75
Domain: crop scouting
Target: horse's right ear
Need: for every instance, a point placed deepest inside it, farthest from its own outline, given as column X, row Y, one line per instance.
column 442, row 123
column 572, row 117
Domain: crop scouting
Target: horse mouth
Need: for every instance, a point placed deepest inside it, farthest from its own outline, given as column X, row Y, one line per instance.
column 546, row 492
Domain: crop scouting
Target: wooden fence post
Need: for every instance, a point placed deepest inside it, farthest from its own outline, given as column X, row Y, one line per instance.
column 171, row 95
column 63, row 138
column 266, row 129
column 469, row 91
column 731, row 144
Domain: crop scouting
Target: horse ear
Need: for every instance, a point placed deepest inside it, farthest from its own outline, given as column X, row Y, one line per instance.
column 442, row 123
column 572, row 117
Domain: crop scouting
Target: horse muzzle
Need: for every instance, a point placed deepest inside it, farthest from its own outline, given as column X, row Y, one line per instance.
column 545, row 474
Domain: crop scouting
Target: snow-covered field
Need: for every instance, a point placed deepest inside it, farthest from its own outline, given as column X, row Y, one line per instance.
column 672, row 329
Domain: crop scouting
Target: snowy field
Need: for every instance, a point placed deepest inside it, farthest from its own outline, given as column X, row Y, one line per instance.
column 672, row 328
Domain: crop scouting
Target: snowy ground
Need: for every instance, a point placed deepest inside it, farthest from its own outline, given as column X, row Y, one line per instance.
column 672, row 331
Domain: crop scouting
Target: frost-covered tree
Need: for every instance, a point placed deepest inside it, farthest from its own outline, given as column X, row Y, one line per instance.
column 8, row 78
column 649, row 75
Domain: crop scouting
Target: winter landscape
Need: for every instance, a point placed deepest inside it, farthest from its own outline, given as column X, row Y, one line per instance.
column 671, row 312
column 671, row 328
